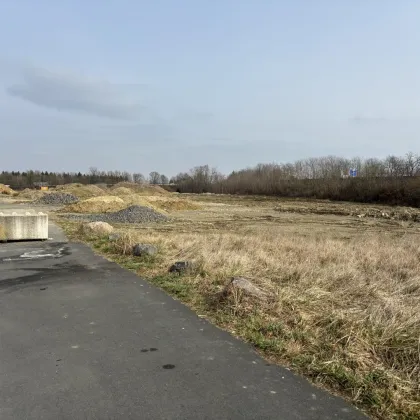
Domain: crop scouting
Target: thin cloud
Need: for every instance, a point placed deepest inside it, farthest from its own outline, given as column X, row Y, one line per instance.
column 368, row 120
column 77, row 95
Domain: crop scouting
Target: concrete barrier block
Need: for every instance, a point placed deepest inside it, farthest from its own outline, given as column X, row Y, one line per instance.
column 18, row 225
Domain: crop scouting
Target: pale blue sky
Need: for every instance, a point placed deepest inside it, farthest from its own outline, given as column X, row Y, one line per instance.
column 166, row 85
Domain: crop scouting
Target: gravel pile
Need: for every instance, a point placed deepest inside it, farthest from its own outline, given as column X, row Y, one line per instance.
column 132, row 214
column 58, row 198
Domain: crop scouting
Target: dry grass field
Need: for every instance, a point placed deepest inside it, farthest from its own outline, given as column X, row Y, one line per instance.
column 341, row 280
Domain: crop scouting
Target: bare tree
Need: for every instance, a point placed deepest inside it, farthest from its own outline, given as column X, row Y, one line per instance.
column 94, row 174
column 154, row 177
column 412, row 164
column 138, row 178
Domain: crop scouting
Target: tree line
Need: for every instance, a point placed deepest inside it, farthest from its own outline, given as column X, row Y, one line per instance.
column 393, row 180
column 33, row 178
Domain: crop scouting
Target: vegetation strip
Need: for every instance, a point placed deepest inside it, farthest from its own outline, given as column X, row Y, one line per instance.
column 341, row 308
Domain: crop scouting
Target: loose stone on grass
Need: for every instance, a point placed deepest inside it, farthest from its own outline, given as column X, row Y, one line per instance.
column 141, row 250
column 245, row 286
column 181, row 267
column 114, row 237
column 97, row 228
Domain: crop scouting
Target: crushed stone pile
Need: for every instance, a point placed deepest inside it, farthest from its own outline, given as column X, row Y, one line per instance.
column 57, row 198
column 132, row 214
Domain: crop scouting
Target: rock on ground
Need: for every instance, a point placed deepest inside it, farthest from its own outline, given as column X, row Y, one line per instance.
column 140, row 250
column 97, row 228
column 245, row 286
column 114, row 237
column 181, row 267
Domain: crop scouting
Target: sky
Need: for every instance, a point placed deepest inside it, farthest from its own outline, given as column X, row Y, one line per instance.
column 167, row 85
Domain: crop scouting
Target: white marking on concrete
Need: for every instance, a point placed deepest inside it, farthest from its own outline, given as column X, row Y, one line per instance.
column 273, row 392
column 75, row 346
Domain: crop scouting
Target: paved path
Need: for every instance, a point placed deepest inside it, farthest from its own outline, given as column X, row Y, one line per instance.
column 81, row 338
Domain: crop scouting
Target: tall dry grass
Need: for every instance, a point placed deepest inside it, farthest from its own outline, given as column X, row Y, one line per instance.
column 346, row 312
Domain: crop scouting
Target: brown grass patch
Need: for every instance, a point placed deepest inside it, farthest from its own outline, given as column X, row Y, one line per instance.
column 344, row 296
column 347, row 209
column 346, row 313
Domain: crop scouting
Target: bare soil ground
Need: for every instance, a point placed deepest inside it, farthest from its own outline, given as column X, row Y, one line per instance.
column 342, row 280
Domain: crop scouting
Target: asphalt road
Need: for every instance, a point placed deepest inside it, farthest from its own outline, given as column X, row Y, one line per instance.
column 81, row 338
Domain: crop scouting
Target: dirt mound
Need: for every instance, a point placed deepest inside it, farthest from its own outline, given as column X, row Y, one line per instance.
column 122, row 191
column 30, row 194
column 161, row 204
column 101, row 204
column 81, row 191
column 143, row 189
column 170, row 204
column 7, row 190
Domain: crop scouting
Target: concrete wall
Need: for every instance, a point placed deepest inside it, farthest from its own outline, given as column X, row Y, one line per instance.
column 18, row 225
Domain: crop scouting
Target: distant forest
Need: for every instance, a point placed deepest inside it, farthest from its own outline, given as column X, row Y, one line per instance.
column 32, row 178
column 393, row 180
